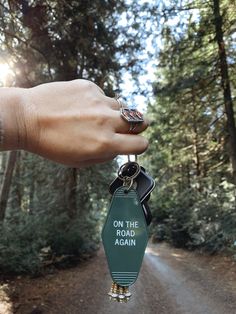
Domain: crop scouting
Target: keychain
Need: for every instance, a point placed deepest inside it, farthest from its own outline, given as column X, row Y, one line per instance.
column 143, row 183
column 125, row 233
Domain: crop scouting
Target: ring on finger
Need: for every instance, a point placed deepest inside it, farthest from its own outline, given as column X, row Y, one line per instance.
column 132, row 127
column 132, row 116
column 121, row 103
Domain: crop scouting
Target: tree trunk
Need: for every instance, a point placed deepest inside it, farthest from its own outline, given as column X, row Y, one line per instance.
column 225, row 82
column 18, row 189
column 196, row 138
column 72, row 187
column 31, row 196
column 6, row 183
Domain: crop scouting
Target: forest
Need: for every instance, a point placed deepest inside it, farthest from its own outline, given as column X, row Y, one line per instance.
column 180, row 57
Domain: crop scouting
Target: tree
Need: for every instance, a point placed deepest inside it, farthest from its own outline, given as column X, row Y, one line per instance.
column 6, row 183
column 226, row 85
column 189, row 138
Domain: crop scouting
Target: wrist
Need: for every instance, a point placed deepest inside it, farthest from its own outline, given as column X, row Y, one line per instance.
column 12, row 119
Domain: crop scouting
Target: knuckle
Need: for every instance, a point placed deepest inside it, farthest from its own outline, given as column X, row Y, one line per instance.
column 84, row 85
column 102, row 118
column 104, row 144
column 90, row 85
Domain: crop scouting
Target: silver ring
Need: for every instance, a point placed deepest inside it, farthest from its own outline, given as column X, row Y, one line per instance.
column 132, row 127
column 125, row 166
column 117, row 96
column 132, row 116
column 121, row 103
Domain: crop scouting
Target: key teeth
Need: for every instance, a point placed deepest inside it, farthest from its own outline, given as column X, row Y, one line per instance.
column 119, row 293
column 126, row 292
column 113, row 291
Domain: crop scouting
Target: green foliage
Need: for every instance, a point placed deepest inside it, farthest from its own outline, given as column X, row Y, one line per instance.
column 20, row 245
column 196, row 220
column 194, row 203
column 40, row 215
column 41, row 239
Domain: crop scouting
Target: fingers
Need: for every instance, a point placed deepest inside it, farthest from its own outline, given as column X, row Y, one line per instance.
column 129, row 144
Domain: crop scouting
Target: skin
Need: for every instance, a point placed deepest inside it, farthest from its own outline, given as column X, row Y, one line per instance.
column 72, row 123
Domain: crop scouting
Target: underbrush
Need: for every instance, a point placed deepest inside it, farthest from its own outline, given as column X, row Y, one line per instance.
column 31, row 243
column 192, row 220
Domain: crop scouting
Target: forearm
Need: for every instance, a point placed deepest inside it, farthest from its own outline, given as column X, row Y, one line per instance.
column 11, row 119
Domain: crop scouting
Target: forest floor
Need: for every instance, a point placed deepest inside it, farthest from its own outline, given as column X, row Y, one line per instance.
column 171, row 281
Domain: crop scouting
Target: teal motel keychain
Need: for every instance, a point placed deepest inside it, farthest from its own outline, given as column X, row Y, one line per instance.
column 125, row 233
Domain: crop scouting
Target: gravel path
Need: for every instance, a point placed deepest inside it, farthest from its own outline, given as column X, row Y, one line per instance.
column 171, row 282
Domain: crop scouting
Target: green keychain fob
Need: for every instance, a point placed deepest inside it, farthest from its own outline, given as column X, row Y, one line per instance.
column 125, row 238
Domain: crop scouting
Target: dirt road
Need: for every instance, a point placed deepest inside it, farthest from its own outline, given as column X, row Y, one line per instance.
column 171, row 282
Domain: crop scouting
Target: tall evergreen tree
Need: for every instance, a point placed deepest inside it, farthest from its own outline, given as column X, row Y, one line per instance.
column 189, row 141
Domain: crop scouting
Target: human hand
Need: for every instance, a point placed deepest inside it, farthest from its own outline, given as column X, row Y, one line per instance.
column 74, row 123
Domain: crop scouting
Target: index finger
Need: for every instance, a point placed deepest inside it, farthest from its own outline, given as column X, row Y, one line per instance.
column 130, row 144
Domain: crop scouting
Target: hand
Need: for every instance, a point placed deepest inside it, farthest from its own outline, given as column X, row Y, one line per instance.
column 74, row 123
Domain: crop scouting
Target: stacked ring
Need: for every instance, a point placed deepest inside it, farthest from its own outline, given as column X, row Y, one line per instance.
column 132, row 116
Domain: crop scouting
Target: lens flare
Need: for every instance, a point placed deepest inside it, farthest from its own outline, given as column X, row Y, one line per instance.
column 5, row 73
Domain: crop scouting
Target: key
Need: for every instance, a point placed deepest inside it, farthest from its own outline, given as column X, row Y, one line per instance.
column 121, row 296
column 127, row 293
column 143, row 183
column 147, row 212
column 114, row 291
column 119, row 293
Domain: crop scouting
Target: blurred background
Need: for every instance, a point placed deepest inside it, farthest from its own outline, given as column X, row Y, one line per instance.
column 175, row 60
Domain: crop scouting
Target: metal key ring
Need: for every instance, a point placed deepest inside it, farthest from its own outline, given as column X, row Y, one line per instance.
column 124, row 167
column 128, row 184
